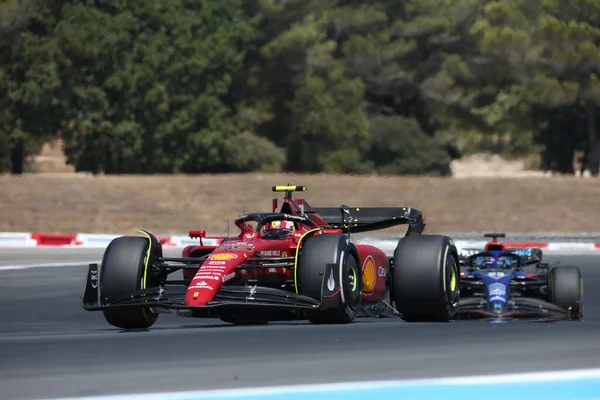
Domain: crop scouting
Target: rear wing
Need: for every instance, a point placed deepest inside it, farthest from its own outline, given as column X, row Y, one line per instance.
column 465, row 253
column 528, row 256
column 366, row 219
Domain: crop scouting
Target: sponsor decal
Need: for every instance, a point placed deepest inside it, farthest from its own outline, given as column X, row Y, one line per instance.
column 270, row 253
column 196, row 294
column 228, row 276
column 331, row 281
column 204, row 276
column 213, row 268
column 497, row 289
column 215, row 262
column 232, row 243
column 523, row 252
column 207, row 287
column 368, row 275
column 272, row 270
column 284, row 254
column 468, row 252
column 497, row 298
column 94, row 279
column 223, row 256
column 496, row 274
column 381, row 271
column 236, row 246
column 202, row 285
column 252, row 291
column 245, row 247
column 294, row 217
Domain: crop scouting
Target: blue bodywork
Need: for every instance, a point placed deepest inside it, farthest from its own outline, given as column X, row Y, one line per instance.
column 494, row 285
column 497, row 271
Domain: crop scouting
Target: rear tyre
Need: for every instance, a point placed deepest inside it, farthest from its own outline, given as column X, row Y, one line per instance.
column 565, row 286
column 425, row 278
column 122, row 273
column 344, row 274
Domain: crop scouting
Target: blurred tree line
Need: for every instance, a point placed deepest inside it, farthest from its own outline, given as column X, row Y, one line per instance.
column 349, row 86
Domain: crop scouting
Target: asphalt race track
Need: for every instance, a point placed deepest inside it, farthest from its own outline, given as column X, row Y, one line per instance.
column 51, row 347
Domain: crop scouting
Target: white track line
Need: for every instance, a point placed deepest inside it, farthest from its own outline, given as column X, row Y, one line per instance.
column 48, row 265
column 566, row 375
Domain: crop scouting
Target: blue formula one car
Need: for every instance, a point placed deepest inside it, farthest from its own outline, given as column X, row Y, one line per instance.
column 503, row 283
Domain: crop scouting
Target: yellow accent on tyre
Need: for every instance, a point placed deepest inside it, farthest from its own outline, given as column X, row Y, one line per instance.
column 147, row 261
column 298, row 252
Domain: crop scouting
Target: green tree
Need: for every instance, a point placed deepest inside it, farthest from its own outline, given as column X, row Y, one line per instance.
column 311, row 52
column 15, row 15
column 29, row 107
column 149, row 84
column 302, row 85
column 551, row 48
column 399, row 147
column 301, row 98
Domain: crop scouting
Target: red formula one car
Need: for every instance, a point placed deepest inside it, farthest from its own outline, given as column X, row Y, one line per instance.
column 297, row 263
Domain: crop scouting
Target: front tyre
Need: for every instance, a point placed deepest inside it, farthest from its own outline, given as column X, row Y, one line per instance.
column 329, row 268
column 425, row 278
column 565, row 285
column 123, row 273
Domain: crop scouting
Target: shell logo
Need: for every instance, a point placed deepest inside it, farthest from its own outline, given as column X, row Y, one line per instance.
column 368, row 275
column 223, row 256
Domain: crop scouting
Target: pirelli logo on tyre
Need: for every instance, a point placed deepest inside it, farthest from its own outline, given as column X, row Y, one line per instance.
column 368, row 275
column 223, row 256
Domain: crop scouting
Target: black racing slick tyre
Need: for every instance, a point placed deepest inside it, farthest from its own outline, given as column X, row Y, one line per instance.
column 122, row 273
column 425, row 282
column 329, row 270
column 565, row 285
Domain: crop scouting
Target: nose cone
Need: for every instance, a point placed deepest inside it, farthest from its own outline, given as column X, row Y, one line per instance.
column 202, row 289
column 218, row 268
column 498, row 307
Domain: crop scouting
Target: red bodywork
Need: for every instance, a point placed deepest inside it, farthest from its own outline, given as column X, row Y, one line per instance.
column 227, row 253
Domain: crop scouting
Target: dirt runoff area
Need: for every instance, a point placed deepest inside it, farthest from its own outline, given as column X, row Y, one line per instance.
column 71, row 203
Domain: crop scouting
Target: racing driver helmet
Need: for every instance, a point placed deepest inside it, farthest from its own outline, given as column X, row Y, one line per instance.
column 278, row 230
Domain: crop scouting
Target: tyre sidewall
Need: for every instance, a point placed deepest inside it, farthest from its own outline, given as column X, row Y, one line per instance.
column 566, row 289
column 422, row 275
column 351, row 279
column 122, row 273
column 318, row 252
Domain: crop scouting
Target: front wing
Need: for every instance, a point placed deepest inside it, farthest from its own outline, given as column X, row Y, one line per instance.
column 530, row 309
column 165, row 298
